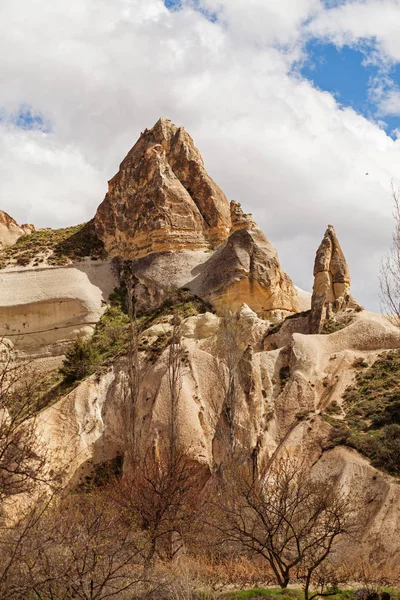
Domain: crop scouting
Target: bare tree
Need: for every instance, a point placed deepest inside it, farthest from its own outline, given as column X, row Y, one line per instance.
column 285, row 516
column 84, row 547
column 176, row 359
column 229, row 353
column 389, row 280
column 166, row 497
column 134, row 376
column 23, row 471
column 21, row 458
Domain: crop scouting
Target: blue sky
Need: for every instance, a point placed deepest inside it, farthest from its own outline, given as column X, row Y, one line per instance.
column 347, row 73
column 26, row 119
column 174, row 5
column 348, row 76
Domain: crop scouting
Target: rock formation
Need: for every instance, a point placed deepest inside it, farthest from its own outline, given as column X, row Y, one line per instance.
column 10, row 231
column 162, row 211
column 331, row 291
column 172, row 227
column 239, row 219
column 43, row 309
column 246, row 270
column 162, row 198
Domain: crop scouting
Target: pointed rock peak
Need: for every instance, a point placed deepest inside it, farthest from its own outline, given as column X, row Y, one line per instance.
column 10, row 231
column 330, row 258
column 331, row 291
column 5, row 219
column 162, row 198
column 239, row 219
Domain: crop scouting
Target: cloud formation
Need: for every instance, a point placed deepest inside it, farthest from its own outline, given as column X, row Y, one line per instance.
column 100, row 72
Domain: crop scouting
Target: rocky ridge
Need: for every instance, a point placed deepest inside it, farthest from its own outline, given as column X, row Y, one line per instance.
column 10, row 231
column 162, row 198
column 167, row 225
column 163, row 201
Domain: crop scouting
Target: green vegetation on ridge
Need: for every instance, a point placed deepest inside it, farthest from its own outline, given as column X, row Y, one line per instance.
column 112, row 334
column 54, row 247
column 372, row 413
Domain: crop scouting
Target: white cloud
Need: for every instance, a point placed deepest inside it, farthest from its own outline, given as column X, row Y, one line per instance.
column 389, row 104
column 44, row 182
column 361, row 21
column 102, row 72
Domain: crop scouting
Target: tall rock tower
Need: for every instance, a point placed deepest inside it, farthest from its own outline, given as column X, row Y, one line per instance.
column 331, row 291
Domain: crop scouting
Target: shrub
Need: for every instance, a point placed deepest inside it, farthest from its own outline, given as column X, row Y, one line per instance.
column 79, row 362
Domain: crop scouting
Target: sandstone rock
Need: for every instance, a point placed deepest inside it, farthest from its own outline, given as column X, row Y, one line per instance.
column 246, row 270
column 240, row 220
column 331, row 291
column 162, row 198
column 41, row 309
column 243, row 270
column 89, row 425
column 200, row 327
column 10, row 231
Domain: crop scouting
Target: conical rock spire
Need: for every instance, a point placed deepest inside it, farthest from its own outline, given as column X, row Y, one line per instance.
column 162, row 198
column 331, row 291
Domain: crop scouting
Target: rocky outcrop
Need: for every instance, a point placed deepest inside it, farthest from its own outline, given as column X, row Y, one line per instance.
column 246, row 270
column 239, row 219
column 10, row 231
column 162, row 198
column 42, row 310
column 243, row 270
column 162, row 211
column 280, row 395
column 331, row 291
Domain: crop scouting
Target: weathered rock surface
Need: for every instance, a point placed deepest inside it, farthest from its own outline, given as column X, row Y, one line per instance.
column 90, row 421
column 162, row 198
column 331, row 291
column 10, row 231
column 172, row 227
column 245, row 269
column 40, row 309
column 239, row 219
column 163, row 211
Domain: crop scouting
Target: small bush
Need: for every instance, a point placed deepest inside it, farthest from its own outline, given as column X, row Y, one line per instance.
column 79, row 362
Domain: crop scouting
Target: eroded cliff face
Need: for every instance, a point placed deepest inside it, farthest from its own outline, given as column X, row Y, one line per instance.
column 172, row 227
column 43, row 310
column 164, row 213
column 10, row 231
column 162, row 198
column 281, row 397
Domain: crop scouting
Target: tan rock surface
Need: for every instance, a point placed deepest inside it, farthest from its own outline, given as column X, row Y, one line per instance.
column 331, row 291
column 162, row 198
column 246, row 270
column 243, row 270
column 40, row 309
column 90, row 422
column 10, row 231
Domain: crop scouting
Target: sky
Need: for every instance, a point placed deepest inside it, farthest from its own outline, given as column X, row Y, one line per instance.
column 294, row 105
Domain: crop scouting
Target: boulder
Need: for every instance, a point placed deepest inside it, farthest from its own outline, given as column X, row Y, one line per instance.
column 246, row 270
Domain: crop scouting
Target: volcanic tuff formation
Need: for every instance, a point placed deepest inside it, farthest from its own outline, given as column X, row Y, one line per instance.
column 331, row 291
column 10, row 231
column 162, row 198
column 172, row 227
